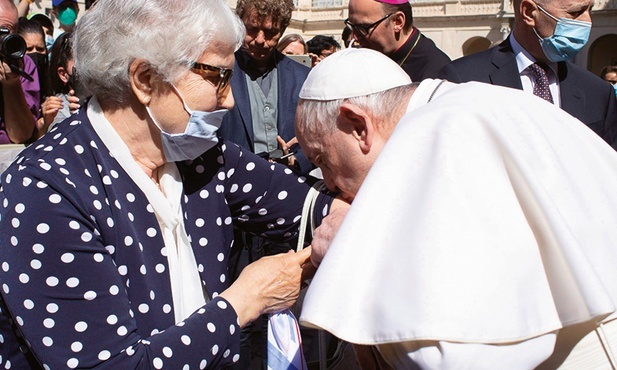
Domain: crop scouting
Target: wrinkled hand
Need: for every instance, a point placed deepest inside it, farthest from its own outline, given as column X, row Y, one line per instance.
column 270, row 284
column 324, row 234
column 286, row 147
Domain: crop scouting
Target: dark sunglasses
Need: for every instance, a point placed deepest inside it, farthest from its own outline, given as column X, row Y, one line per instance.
column 364, row 30
column 217, row 76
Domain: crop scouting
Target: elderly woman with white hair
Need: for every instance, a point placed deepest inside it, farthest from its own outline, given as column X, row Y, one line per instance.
column 117, row 225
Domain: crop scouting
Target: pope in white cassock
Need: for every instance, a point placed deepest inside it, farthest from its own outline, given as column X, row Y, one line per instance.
column 483, row 228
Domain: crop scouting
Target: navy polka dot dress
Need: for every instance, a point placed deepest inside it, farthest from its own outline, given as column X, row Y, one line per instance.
column 83, row 268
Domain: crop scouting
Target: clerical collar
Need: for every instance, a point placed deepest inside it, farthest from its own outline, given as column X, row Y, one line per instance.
column 402, row 53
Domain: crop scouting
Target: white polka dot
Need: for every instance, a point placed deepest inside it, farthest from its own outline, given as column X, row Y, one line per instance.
column 72, row 282
column 52, row 281
column 28, row 304
column 223, row 278
column 14, row 241
column 106, row 180
column 282, row 195
column 90, row 295
column 94, row 190
column 76, row 346
column 233, row 188
column 114, row 290
column 168, row 352
column 204, row 194
column 24, row 278
column 86, row 237
column 19, row 320
column 72, row 363
column 74, row 225
column 98, row 257
column 200, row 222
column 211, row 327
column 55, row 198
column 247, row 188
column 250, row 166
column 97, row 204
column 67, row 258
column 236, row 358
column 222, row 305
column 79, row 149
column 215, row 349
column 5, row 266
column 157, row 363
column 128, row 241
column 36, row 264
column 20, row 208
column 48, row 342
column 186, row 340
column 232, row 329
column 226, row 353
column 42, row 228
column 144, row 308
column 160, row 268
column 114, row 174
column 228, row 221
column 52, row 308
column 122, row 331
column 104, row 355
column 258, row 199
column 151, row 232
column 203, row 364
column 49, row 323
column 280, row 221
column 81, row 326
column 38, row 248
column 166, row 308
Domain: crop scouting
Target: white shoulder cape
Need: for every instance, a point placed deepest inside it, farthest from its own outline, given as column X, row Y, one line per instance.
column 490, row 216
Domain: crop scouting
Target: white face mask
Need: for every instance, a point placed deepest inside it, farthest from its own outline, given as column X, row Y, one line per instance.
column 198, row 137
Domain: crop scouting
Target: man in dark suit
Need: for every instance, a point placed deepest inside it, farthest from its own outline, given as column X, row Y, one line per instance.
column 537, row 24
column 266, row 86
column 265, row 83
column 387, row 26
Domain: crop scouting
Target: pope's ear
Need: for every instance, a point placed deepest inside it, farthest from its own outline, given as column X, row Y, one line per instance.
column 355, row 121
column 141, row 79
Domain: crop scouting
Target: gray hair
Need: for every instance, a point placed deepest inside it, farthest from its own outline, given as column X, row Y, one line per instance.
column 319, row 117
column 169, row 34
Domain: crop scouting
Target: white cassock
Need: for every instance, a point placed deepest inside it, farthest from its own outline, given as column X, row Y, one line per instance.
column 487, row 224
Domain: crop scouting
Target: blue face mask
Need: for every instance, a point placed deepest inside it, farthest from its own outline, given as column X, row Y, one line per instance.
column 49, row 42
column 198, row 137
column 615, row 88
column 568, row 39
column 67, row 16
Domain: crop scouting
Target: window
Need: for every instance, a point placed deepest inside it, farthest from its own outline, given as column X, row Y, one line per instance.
column 327, row 3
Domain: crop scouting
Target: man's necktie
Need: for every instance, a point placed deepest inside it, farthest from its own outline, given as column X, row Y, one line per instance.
column 541, row 86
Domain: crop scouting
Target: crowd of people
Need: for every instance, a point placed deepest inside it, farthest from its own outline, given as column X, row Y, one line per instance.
column 152, row 219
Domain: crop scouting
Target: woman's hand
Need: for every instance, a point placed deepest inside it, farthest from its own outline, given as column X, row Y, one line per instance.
column 74, row 103
column 270, row 284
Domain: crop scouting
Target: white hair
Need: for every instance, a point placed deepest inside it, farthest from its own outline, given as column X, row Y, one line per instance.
column 319, row 116
column 168, row 34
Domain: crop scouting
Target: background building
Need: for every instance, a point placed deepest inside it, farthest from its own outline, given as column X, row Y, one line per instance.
column 458, row 27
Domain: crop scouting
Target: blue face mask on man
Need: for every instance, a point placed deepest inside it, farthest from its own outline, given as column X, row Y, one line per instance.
column 198, row 137
column 568, row 39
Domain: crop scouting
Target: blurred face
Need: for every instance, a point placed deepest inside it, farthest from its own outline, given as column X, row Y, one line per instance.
column 579, row 10
column 611, row 77
column 262, row 35
column 8, row 17
column 365, row 13
column 336, row 154
column 294, row 48
column 34, row 43
column 199, row 92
